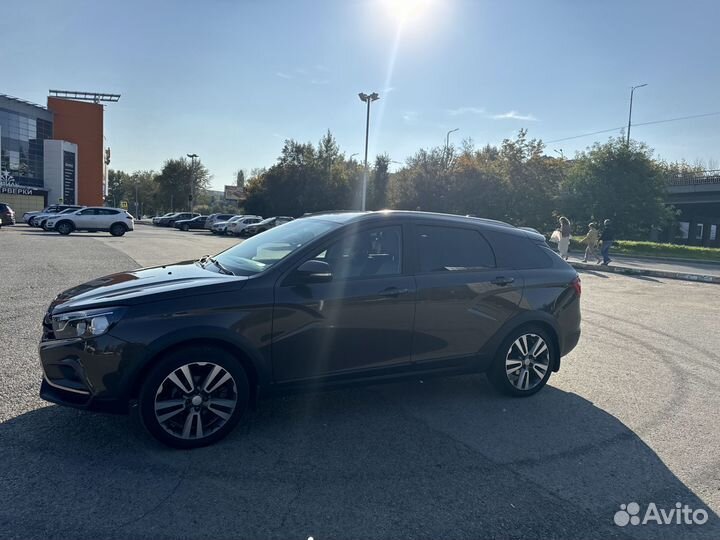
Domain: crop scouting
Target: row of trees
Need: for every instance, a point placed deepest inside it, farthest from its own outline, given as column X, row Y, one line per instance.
column 151, row 193
column 515, row 182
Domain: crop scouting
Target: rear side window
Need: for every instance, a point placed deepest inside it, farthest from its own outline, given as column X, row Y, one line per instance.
column 517, row 251
column 451, row 249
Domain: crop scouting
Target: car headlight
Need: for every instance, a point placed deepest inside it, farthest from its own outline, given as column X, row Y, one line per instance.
column 85, row 324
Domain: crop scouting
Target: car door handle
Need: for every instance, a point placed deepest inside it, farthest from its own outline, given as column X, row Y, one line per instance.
column 502, row 281
column 393, row 292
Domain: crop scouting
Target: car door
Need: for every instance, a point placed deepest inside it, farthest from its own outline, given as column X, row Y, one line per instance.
column 361, row 320
column 105, row 217
column 462, row 297
column 85, row 219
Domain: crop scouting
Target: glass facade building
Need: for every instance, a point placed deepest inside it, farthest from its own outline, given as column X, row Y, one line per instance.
column 23, row 130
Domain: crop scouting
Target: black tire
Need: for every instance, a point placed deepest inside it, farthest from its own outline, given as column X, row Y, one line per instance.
column 510, row 364
column 118, row 229
column 64, row 227
column 185, row 228
column 200, row 361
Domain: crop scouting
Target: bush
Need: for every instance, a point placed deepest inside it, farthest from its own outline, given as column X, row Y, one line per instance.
column 655, row 249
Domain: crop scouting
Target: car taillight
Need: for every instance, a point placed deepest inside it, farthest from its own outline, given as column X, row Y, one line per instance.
column 577, row 285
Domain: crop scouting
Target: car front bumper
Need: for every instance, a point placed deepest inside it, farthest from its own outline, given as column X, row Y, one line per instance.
column 86, row 374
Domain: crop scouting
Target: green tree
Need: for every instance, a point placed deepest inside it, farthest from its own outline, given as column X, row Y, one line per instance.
column 620, row 182
column 378, row 186
column 174, row 183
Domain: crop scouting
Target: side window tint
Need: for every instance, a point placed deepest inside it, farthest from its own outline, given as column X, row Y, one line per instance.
column 368, row 253
column 448, row 249
column 518, row 252
column 88, row 212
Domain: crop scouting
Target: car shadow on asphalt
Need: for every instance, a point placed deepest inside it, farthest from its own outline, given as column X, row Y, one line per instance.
column 433, row 458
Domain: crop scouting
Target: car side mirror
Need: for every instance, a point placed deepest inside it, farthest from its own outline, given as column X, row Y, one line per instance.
column 313, row 271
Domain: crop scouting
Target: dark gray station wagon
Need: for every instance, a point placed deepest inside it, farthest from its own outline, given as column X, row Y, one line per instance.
column 323, row 300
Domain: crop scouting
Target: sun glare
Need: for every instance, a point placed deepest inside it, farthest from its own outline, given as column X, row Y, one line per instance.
column 403, row 10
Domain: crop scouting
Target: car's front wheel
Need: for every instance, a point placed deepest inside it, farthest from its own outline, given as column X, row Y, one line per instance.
column 64, row 228
column 194, row 397
column 185, row 227
column 524, row 362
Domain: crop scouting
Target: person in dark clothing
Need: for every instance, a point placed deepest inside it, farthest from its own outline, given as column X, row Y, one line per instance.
column 606, row 238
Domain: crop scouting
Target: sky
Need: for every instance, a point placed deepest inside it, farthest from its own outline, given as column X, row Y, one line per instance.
column 230, row 80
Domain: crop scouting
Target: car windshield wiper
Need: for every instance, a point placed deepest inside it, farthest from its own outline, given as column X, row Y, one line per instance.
column 222, row 269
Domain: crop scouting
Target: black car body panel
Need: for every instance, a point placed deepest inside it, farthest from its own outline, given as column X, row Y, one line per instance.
column 296, row 334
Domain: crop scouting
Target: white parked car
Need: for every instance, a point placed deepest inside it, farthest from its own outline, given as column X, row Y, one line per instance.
column 235, row 228
column 39, row 219
column 116, row 221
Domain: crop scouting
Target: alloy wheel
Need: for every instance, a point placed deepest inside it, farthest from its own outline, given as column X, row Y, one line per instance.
column 527, row 362
column 195, row 400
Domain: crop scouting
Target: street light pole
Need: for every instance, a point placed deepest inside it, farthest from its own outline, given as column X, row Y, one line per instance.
column 447, row 138
column 447, row 144
column 367, row 99
column 193, row 157
column 632, row 91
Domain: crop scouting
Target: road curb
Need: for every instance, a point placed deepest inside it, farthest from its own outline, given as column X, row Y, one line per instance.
column 684, row 276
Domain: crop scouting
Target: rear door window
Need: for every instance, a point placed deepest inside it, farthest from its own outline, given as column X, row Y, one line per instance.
column 452, row 249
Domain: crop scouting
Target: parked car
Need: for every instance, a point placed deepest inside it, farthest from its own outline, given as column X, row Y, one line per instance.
column 169, row 221
column 156, row 219
column 38, row 220
column 214, row 218
column 237, row 227
column 116, row 221
column 197, row 222
column 265, row 225
column 323, row 300
column 220, row 227
column 27, row 216
column 44, row 220
column 7, row 215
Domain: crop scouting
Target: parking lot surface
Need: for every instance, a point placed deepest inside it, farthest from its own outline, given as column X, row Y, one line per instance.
column 633, row 416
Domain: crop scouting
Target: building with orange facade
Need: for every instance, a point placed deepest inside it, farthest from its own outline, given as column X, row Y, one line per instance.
column 53, row 154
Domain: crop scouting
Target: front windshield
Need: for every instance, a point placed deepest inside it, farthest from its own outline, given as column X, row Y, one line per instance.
column 265, row 250
column 69, row 210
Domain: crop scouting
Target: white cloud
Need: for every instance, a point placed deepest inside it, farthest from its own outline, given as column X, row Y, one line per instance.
column 514, row 115
column 319, row 81
column 460, row 111
column 410, row 116
column 283, row 75
column 388, row 89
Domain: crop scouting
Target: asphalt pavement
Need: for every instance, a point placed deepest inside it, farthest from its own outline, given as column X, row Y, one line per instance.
column 633, row 416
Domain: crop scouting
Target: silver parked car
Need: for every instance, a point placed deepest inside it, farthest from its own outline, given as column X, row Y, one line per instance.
column 215, row 218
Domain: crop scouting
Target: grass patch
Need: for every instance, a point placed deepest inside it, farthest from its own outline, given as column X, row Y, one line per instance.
column 655, row 249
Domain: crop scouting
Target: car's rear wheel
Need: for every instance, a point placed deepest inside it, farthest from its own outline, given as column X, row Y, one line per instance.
column 524, row 362
column 194, row 397
column 64, row 228
column 118, row 229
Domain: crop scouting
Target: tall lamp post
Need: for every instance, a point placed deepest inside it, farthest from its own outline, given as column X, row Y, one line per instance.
column 447, row 138
column 193, row 157
column 447, row 144
column 367, row 99
column 632, row 91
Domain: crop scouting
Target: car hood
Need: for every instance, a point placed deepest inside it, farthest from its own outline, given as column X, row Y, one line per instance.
column 143, row 285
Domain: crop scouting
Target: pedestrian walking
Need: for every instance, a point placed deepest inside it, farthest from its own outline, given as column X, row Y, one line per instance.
column 564, row 243
column 607, row 237
column 591, row 240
